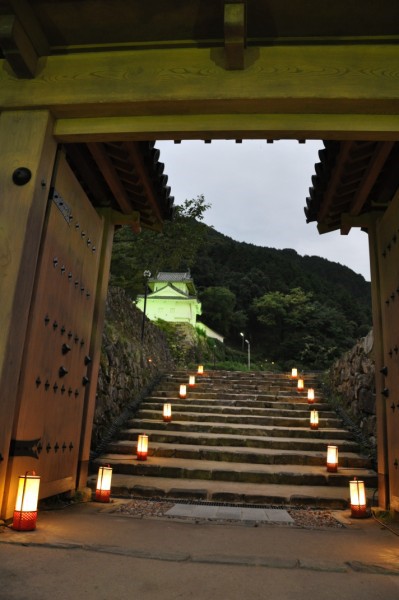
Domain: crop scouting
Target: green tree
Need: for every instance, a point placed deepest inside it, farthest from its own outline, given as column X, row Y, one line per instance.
column 174, row 249
column 218, row 305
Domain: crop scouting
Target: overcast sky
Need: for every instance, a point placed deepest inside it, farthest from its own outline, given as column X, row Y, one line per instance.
column 258, row 192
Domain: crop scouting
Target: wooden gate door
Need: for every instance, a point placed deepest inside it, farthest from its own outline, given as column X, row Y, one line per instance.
column 53, row 383
column 388, row 263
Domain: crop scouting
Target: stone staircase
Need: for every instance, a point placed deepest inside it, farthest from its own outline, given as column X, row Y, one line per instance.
column 237, row 437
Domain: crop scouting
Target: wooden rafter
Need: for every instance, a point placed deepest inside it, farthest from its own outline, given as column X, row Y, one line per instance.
column 137, row 159
column 111, row 176
column 334, row 181
column 80, row 160
column 375, row 165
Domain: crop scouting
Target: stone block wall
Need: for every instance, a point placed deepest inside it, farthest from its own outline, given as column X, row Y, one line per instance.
column 126, row 365
column 351, row 380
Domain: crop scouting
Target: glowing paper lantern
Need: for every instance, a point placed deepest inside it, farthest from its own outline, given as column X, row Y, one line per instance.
column 183, row 391
column 358, row 499
column 200, row 370
column 300, row 385
column 103, row 487
column 314, row 419
column 332, row 459
column 142, row 447
column 294, row 373
column 191, row 380
column 310, row 396
column 25, row 512
column 167, row 412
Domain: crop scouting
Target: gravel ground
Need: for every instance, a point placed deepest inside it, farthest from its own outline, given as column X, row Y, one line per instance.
column 307, row 518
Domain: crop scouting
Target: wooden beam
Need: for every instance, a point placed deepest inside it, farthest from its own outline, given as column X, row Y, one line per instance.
column 341, row 79
column 228, row 126
column 111, row 176
column 374, row 168
column 26, row 16
column 17, row 47
column 234, row 34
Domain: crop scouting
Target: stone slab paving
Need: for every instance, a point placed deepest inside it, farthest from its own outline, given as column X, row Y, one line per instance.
column 230, row 513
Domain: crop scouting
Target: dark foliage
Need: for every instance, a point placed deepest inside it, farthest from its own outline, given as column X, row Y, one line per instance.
column 293, row 309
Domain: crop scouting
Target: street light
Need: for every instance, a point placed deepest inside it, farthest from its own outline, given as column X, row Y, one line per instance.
column 249, row 354
column 243, row 337
column 147, row 275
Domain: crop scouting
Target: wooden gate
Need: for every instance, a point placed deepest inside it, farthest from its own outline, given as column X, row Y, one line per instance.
column 54, row 378
column 387, row 277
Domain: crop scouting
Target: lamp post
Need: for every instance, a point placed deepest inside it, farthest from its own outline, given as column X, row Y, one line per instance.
column 249, row 354
column 147, row 275
column 243, row 338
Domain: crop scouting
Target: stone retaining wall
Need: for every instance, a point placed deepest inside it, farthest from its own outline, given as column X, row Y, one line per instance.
column 352, row 386
column 126, row 366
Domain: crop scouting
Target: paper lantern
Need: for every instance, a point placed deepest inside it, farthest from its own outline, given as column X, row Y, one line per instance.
column 300, row 385
column 25, row 512
column 142, row 447
column 167, row 412
column 294, row 373
column 332, row 459
column 310, row 396
column 183, row 391
column 103, row 487
column 200, row 370
column 191, row 380
column 358, row 499
column 314, row 419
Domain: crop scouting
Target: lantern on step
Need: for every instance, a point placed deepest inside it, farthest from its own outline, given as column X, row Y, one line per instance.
column 310, row 396
column 103, row 487
column 300, row 385
column 142, row 447
column 167, row 412
column 314, row 419
column 191, row 381
column 183, row 391
column 294, row 373
column 332, row 459
column 25, row 511
column 200, row 369
column 358, row 499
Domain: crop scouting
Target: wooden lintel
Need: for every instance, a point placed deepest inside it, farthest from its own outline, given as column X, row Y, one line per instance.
column 17, row 47
column 326, row 80
column 111, row 177
column 228, row 126
column 234, row 34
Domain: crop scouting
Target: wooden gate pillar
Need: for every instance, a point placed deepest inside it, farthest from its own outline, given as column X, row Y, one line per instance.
column 95, row 349
column 378, row 351
column 26, row 141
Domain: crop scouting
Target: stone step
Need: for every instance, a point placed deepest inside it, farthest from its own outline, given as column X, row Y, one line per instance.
column 194, row 406
column 244, row 419
column 222, row 439
column 237, row 427
column 327, row 497
column 229, row 395
column 184, row 468
column 240, row 402
column 267, row 456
